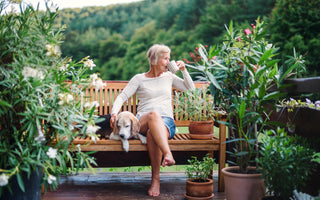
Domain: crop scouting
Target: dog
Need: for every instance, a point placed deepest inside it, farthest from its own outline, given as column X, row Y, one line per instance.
column 125, row 127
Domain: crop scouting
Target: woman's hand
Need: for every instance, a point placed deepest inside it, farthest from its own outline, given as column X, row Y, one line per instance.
column 181, row 65
column 112, row 120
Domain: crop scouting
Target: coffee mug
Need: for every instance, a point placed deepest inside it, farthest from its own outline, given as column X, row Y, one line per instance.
column 172, row 66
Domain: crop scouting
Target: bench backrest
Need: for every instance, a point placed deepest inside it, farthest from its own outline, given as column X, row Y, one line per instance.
column 107, row 95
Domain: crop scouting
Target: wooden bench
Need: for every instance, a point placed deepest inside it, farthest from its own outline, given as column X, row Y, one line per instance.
column 110, row 152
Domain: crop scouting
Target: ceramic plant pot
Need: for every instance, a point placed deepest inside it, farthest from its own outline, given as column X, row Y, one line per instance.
column 32, row 187
column 201, row 129
column 243, row 186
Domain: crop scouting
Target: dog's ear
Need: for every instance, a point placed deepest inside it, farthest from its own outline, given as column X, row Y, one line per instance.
column 135, row 125
column 115, row 126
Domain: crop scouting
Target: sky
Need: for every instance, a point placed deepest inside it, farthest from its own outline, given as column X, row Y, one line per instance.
column 76, row 3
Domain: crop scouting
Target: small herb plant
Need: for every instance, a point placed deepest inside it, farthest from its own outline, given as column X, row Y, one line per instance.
column 198, row 170
column 196, row 105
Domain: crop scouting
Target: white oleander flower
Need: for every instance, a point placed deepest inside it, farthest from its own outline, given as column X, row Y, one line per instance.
column 89, row 63
column 53, row 50
column 52, row 153
column 53, row 8
column 92, row 129
column 69, row 98
column 98, row 83
column 65, row 98
column 40, row 138
column 63, row 67
column 94, row 77
column 51, row 179
column 4, row 179
column 29, row 72
column 90, row 105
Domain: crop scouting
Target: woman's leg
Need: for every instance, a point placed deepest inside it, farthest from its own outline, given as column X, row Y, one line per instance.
column 153, row 125
column 157, row 141
column 155, row 155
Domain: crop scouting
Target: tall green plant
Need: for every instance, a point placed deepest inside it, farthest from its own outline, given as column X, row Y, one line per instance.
column 242, row 70
column 39, row 116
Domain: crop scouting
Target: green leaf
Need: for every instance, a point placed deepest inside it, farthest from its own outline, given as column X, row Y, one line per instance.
column 288, row 71
column 265, row 56
column 273, row 95
column 262, row 91
column 213, row 80
column 5, row 104
column 20, row 182
column 242, row 109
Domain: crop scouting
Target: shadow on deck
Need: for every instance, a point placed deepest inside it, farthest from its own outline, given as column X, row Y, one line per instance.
column 123, row 185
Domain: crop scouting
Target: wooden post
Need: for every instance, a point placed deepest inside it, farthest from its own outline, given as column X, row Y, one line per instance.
column 222, row 153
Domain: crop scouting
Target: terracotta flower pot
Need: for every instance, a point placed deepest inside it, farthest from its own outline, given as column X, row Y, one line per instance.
column 243, row 186
column 199, row 190
column 201, row 129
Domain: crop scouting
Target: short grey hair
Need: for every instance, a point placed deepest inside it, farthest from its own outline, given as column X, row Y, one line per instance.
column 155, row 52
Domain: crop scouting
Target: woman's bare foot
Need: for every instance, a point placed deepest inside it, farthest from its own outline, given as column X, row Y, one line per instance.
column 168, row 160
column 154, row 189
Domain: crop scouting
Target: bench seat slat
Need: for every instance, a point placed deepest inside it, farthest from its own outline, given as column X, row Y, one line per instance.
column 136, row 145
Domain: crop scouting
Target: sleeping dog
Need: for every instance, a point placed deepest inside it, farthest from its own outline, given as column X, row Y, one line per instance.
column 126, row 126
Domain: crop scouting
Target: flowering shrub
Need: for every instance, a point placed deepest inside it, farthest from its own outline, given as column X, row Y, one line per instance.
column 241, row 72
column 39, row 114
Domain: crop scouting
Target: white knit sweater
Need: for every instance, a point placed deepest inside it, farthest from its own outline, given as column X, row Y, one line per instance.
column 154, row 94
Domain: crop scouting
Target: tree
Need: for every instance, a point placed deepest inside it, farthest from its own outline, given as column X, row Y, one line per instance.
column 212, row 23
column 296, row 24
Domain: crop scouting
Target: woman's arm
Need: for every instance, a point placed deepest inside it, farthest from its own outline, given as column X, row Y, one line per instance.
column 183, row 84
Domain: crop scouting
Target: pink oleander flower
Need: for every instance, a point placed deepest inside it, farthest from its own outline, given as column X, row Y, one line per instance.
column 247, row 31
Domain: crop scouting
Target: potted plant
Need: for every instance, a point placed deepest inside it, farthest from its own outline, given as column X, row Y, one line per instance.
column 300, row 117
column 39, row 118
column 241, row 73
column 284, row 163
column 199, row 184
column 197, row 106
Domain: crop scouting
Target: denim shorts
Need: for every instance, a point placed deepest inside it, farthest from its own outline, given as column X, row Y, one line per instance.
column 171, row 126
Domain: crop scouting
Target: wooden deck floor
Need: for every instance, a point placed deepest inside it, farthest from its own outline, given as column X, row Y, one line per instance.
column 122, row 186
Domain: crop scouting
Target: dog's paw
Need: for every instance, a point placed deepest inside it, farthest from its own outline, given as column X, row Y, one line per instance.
column 125, row 145
column 143, row 139
column 114, row 137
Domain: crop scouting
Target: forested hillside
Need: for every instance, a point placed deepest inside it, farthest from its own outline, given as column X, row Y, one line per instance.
column 117, row 37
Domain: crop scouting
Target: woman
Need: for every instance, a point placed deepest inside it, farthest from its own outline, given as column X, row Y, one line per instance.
column 154, row 91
